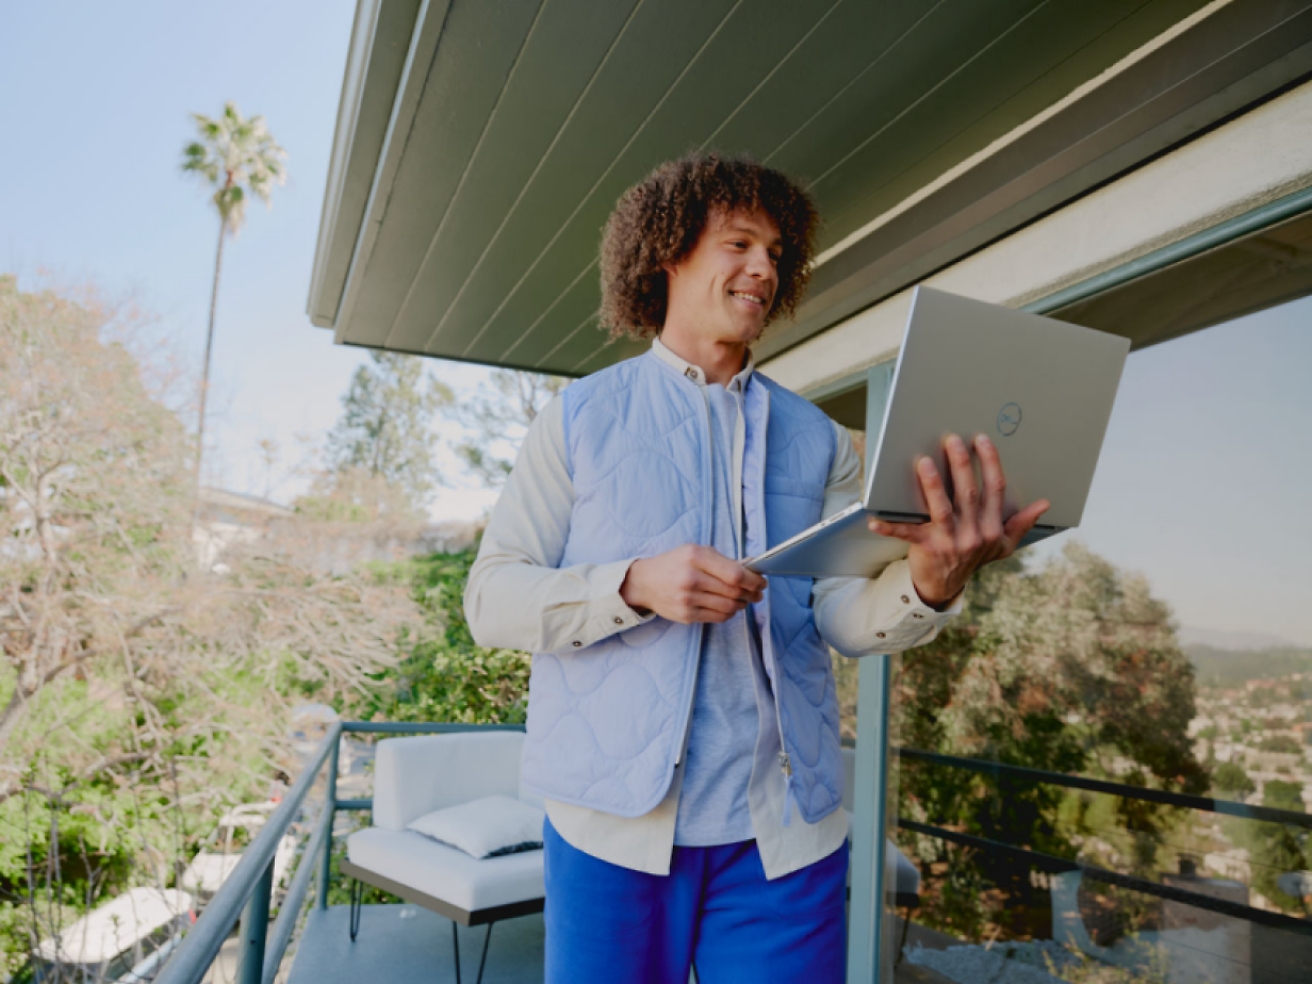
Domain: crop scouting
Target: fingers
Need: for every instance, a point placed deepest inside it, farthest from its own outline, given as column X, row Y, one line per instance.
column 910, row 532
column 702, row 583
column 729, row 577
column 995, row 489
column 1023, row 522
column 965, row 493
column 936, row 496
column 711, row 615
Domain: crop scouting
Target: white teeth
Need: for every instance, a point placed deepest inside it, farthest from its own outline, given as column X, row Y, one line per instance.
column 748, row 297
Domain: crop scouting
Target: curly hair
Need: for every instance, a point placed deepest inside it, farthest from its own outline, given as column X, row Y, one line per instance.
column 660, row 219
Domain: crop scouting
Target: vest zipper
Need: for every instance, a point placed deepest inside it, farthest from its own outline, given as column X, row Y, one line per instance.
column 785, row 763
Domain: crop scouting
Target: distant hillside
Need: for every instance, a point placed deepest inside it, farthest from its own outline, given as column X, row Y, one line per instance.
column 1227, row 667
column 1221, row 639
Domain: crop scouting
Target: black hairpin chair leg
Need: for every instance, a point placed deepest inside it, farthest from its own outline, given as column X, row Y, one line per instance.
column 455, row 941
column 357, row 904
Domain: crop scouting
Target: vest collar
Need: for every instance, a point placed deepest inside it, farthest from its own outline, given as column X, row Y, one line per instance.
column 684, row 368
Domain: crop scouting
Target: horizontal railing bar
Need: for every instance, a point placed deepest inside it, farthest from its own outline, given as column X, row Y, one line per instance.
column 290, row 909
column 420, row 728
column 1053, row 864
column 201, row 945
column 355, row 804
column 1205, row 804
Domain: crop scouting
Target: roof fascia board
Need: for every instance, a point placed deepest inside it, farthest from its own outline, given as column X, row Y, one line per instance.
column 380, row 37
column 422, row 46
column 1239, row 55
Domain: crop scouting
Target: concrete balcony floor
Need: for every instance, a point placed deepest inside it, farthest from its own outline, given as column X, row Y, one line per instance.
column 406, row 944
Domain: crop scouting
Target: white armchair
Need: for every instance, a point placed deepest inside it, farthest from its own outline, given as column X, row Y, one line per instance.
column 414, row 776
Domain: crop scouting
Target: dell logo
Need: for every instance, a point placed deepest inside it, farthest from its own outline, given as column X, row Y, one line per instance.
column 1009, row 419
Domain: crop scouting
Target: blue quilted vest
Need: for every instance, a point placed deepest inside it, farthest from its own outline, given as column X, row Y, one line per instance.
column 606, row 722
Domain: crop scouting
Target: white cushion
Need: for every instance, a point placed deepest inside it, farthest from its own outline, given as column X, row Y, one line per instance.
column 417, row 775
column 445, row 873
column 484, row 828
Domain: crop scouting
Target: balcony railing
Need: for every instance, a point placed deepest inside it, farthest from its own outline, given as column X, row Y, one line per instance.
column 1055, row 865
column 247, row 893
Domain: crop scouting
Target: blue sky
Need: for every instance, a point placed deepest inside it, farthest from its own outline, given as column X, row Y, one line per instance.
column 1204, row 480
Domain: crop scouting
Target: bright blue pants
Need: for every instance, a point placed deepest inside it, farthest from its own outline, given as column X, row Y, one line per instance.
column 715, row 911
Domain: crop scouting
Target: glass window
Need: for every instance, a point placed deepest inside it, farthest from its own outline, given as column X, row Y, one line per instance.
column 1102, row 769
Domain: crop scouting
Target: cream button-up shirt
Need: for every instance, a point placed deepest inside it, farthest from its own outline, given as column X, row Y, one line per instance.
column 517, row 598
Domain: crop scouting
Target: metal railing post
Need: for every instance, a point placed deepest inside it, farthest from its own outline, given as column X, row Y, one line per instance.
column 866, row 955
column 255, row 929
column 330, row 808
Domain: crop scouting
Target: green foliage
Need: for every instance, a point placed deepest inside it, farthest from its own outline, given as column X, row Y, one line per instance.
column 386, row 425
column 1274, row 848
column 1284, row 744
column 1066, row 669
column 1280, row 795
column 443, row 675
column 1231, row 781
column 233, row 153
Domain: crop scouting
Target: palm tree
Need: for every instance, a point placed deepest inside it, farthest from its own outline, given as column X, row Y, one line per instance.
column 235, row 156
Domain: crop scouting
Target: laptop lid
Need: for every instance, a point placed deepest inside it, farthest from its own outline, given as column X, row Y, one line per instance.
column 1040, row 388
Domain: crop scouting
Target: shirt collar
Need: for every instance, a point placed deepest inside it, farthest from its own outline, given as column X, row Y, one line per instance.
column 736, row 385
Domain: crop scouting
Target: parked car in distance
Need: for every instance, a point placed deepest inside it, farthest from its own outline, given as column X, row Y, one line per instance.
column 234, row 833
column 124, row 941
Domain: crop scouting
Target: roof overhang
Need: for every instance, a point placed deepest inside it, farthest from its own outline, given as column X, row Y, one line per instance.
column 479, row 148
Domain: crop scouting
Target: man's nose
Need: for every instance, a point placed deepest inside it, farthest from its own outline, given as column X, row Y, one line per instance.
column 759, row 264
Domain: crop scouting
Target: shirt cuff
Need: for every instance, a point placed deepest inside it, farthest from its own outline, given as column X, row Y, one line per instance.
column 919, row 609
column 608, row 614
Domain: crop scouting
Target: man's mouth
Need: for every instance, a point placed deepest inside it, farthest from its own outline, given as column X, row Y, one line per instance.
column 743, row 295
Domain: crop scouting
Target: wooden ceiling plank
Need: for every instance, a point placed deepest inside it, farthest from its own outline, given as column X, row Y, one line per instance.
column 609, row 352
column 713, row 84
column 1030, row 50
column 1221, row 63
column 647, row 59
column 820, row 67
column 475, row 54
column 947, row 37
column 574, row 306
column 557, row 65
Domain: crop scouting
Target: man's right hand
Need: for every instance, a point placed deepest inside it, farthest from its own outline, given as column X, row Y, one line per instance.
column 691, row 584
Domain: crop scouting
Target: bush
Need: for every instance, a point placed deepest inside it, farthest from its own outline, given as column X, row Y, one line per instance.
column 443, row 675
column 1280, row 743
column 1232, row 781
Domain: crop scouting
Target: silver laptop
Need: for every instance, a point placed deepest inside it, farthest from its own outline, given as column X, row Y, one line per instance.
column 1041, row 389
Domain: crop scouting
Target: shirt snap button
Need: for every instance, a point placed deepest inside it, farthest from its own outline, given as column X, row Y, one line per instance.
column 906, row 600
column 618, row 620
column 879, row 635
column 576, row 644
column 917, row 615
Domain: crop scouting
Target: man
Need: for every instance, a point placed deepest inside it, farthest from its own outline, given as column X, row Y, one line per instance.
column 682, row 724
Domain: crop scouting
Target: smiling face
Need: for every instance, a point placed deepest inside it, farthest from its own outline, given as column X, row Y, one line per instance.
column 723, row 291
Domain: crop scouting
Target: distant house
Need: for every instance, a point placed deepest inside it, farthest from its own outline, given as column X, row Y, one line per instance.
column 231, row 519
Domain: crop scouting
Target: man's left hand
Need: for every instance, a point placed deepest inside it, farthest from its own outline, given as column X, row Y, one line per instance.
column 963, row 533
